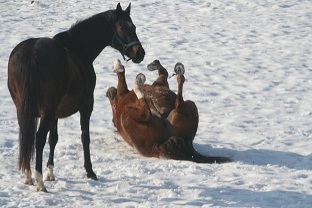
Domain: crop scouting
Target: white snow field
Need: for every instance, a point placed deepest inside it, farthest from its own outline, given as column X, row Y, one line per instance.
column 248, row 69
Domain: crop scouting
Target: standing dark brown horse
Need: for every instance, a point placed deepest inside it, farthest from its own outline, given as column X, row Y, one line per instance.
column 153, row 119
column 52, row 78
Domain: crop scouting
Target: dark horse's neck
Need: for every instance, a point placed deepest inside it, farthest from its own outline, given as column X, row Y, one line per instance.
column 89, row 37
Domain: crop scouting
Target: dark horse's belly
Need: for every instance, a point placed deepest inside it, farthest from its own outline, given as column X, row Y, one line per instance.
column 160, row 100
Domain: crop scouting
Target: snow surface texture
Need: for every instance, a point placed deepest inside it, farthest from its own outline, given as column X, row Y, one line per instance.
column 248, row 69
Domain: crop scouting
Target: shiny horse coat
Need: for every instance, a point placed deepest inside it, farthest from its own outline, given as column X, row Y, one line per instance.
column 52, row 78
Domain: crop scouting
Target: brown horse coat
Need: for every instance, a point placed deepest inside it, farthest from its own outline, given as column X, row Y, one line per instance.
column 154, row 120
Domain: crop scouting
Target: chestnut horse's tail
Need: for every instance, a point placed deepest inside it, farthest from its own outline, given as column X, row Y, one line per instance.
column 27, row 113
column 178, row 148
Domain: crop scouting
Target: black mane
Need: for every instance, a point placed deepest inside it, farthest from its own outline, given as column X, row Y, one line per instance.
column 89, row 37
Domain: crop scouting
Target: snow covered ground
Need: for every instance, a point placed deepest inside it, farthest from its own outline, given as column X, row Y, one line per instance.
column 248, row 69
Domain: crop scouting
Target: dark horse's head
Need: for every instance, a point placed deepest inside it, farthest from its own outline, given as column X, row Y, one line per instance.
column 125, row 39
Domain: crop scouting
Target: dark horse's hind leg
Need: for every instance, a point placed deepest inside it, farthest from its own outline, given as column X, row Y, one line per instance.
column 162, row 78
column 46, row 123
column 53, row 138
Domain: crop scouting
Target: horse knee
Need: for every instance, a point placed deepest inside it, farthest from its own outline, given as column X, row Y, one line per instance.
column 50, row 175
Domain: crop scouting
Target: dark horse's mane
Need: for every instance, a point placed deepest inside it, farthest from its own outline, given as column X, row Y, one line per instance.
column 92, row 29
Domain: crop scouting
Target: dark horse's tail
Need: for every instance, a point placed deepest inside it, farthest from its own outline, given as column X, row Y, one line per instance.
column 178, row 148
column 28, row 109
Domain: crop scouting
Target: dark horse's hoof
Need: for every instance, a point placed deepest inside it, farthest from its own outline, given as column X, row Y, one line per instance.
column 92, row 176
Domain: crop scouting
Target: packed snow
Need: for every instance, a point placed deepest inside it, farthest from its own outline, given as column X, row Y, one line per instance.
column 249, row 70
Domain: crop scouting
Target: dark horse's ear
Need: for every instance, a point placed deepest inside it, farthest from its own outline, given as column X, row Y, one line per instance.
column 118, row 9
column 127, row 11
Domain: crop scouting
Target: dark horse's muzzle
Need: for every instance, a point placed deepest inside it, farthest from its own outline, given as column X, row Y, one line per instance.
column 139, row 53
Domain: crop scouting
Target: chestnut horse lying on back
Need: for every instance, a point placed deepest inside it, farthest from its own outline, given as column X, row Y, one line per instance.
column 153, row 119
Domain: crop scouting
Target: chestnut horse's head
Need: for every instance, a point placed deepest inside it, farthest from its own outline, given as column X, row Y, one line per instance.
column 125, row 39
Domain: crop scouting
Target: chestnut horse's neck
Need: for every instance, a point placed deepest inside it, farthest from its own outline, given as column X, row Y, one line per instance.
column 89, row 37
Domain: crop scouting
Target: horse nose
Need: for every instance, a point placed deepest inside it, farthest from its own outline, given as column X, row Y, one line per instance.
column 138, row 53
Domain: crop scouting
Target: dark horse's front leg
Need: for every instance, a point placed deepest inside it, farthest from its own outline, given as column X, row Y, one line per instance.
column 85, row 114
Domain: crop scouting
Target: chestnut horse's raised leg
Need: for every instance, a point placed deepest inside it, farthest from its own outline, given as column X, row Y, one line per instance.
column 183, row 126
column 141, row 129
column 141, row 113
column 184, row 118
column 162, row 78
column 113, row 94
column 122, row 87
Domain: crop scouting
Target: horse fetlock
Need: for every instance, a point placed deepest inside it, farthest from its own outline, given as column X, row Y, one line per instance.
column 39, row 180
column 50, row 176
column 28, row 180
column 92, row 176
column 118, row 67
column 139, row 93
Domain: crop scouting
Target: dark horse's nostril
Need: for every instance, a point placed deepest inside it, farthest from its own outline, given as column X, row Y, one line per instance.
column 138, row 54
column 141, row 53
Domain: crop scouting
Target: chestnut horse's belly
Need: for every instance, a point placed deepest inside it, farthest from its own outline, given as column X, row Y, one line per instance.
column 160, row 100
